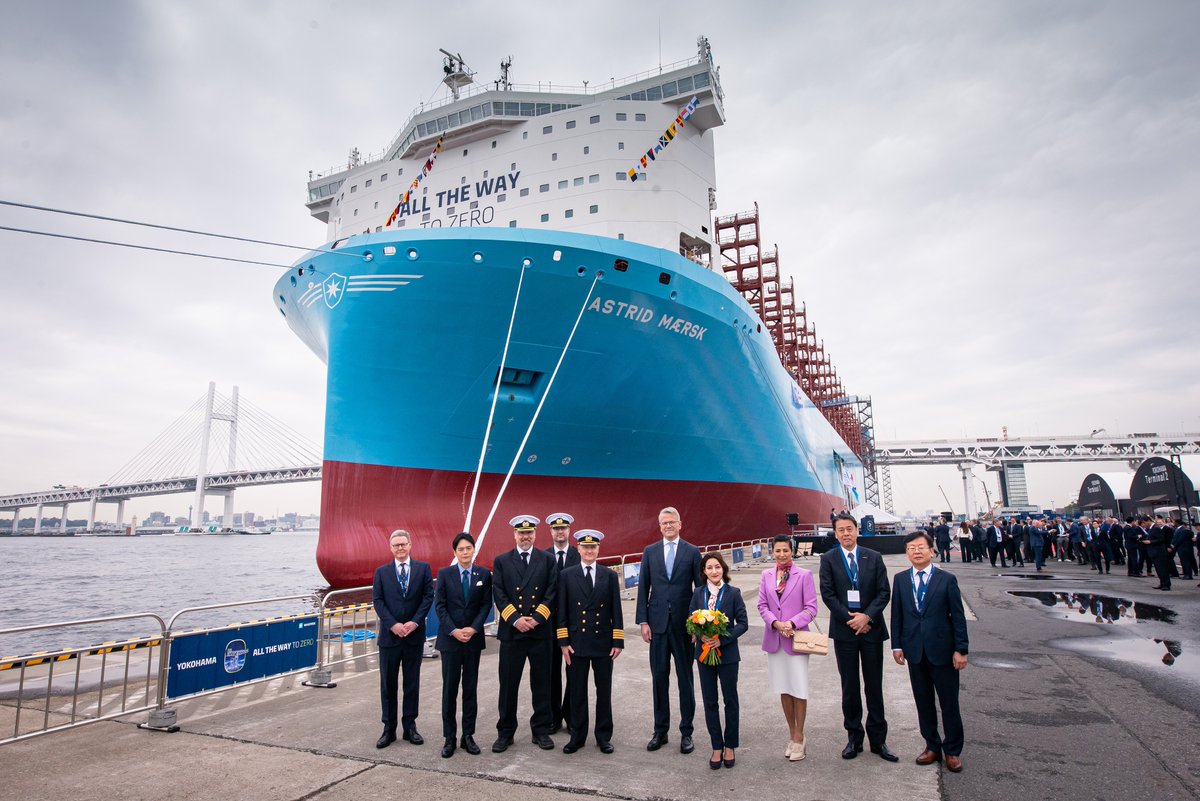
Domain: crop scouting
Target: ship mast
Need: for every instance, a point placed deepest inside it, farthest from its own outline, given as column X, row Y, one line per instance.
column 457, row 75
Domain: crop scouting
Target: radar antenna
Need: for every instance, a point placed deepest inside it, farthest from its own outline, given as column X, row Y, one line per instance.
column 457, row 74
column 503, row 82
column 705, row 50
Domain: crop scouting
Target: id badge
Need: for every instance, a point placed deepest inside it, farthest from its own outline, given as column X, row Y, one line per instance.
column 853, row 599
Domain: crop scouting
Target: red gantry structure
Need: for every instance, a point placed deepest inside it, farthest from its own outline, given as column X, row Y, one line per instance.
column 754, row 272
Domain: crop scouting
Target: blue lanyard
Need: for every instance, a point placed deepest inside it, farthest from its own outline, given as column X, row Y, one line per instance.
column 708, row 594
column 846, row 562
column 916, row 579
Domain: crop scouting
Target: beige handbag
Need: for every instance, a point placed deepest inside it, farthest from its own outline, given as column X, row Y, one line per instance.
column 813, row 643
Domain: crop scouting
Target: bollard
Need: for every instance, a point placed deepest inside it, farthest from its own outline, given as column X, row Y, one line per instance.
column 160, row 720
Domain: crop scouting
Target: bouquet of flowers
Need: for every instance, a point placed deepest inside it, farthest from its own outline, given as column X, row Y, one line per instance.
column 710, row 623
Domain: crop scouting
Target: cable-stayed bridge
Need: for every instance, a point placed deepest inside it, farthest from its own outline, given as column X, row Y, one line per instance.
column 216, row 446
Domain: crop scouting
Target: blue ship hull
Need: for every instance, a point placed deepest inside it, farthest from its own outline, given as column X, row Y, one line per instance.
column 671, row 394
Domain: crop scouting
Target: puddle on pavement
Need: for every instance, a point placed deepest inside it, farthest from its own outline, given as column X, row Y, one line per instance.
column 1103, row 609
column 1042, row 577
column 1168, row 656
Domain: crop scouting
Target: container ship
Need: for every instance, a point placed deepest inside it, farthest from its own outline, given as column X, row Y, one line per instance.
column 525, row 306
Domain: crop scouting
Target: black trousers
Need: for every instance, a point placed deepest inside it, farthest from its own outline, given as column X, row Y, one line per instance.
column 867, row 656
column 1101, row 550
column 944, row 551
column 726, row 675
column 1133, row 560
column 994, row 550
column 673, row 644
column 460, row 667
column 393, row 661
column 560, row 695
column 601, row 668
column 513, row 656
column 927, row 680
column 1162, row 566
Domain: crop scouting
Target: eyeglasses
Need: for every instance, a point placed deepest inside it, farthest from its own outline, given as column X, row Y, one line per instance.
column 669, row 524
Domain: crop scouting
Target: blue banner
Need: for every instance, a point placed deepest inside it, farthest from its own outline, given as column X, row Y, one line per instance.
column 209, row 660
column 737, row 555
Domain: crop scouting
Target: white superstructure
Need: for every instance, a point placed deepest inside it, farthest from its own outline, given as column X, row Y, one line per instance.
column 528, row 157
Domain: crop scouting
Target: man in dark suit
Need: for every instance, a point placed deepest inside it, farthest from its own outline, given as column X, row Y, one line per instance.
column 462, row 601
column 1132, row 536
column 402, row 594
column 590, row 636
column 524, row 585
column 941, row 535
column 1183, row 546
column 854, row 586
column 565, row 555
column 1156, row 539
column 669, row 572
column 930, row 630
column 995, row 544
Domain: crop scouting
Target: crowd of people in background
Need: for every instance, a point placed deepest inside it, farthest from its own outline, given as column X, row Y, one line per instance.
column 1147, row 545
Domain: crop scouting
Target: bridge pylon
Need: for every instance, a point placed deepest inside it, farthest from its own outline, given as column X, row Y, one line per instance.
column 205, row 438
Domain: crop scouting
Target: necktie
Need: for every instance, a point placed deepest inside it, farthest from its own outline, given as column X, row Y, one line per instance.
column 466, row 580
column 561, row 560
column 589, row 576
column 921, row 591
column 525, row 558
column 404, row 579
column 670, row 558
column 853, row 563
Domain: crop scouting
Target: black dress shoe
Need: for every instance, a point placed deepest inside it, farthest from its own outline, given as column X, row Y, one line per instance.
column 468, row 744
column 502, row 743
column 605, row 747
column 851, row 750
column 543, row 742
column 413, row 736
column 571, row 747
column 556, row 728
column 883, row 752
column 385, row 740
column 656, row 742
column 686, row 746
column 448, row 748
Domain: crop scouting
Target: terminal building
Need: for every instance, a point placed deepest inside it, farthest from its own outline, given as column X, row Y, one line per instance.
column 1158, row 485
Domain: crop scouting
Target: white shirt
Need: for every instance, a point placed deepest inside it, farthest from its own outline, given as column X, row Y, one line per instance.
column 400, row 564
column 585, row 567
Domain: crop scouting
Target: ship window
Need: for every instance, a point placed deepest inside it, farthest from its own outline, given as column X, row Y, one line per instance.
column 622, row 176
column 562, row 184
column 399, row 172
column 579, row 181
column 586, row 150
column 355, row 212
column 474, row 204
column 594, row 179
column 593, row 209
column 425, row 217
column 594, row 119
column 544, row 188
column 620, row 236
column 450, row 210
column 487, row 109
column 654, row 93
column 685, row 84
column 639, row 117
column 569, row 213
column 554, row 157
column 512, row 109
column 354, row 189
column 704, row 228
column 524, row 134
column 500, row 198
column 622, row 116
column 639, row 95
column 545, row 218
column 493, row 144
column 452, row 120
column 669, row 89
column 701, row 80
column 512, row 223
column 620, row 145
column 547, row 129
column 485, row 173
column 526, row 109
column 376, row 204
column 570, row 124
column 525, row 192
column 383, row 177
column 378, row 228
column 543, row 108
column 368, row 183
column 401, row 222
column 464, row 151
column 513, row 166
column 476, row 113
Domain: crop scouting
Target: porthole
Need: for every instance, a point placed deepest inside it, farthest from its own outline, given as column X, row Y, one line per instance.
column 293, row 280
column 477, row 257
column 412, row 254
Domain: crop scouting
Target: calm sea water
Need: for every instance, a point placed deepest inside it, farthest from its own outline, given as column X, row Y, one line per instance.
column 46, row 580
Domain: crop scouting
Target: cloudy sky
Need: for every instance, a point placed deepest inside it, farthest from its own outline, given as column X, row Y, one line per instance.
column 990, row 209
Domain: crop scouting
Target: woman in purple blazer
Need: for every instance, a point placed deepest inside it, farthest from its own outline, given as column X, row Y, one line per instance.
column 787, row 602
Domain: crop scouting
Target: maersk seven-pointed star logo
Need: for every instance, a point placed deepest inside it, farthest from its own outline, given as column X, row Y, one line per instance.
column 335, row 285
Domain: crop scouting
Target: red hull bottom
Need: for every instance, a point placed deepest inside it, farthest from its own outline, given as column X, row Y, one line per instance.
column 362, row 504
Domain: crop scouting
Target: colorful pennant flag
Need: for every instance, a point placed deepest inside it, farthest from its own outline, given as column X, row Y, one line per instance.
column 664, row 140
column 425, row 170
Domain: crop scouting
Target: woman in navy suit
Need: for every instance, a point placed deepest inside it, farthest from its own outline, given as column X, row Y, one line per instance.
column 717, row 593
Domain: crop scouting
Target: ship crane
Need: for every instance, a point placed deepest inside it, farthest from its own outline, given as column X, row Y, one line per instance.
column 457, row 73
